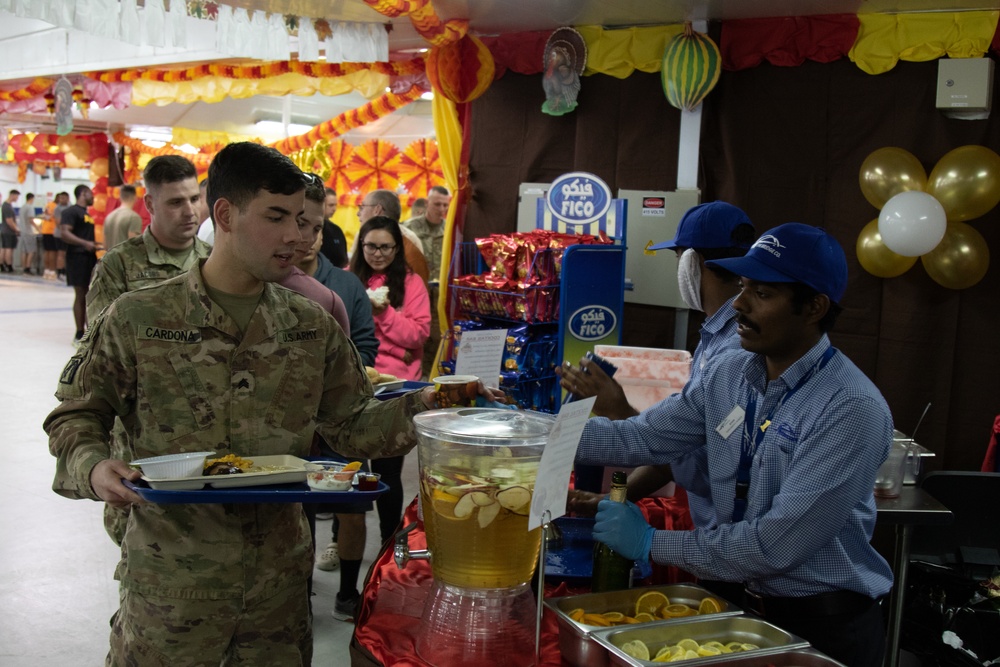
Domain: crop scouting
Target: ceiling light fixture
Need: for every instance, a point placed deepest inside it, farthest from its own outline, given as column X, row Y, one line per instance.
column 277, row 128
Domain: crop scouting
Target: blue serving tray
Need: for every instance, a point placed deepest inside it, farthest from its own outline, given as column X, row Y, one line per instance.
column 299, row 492
column 574, row 560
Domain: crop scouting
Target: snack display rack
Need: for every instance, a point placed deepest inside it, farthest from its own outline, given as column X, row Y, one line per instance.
column 556, row 302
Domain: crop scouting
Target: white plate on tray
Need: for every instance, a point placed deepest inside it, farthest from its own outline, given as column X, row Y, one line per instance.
column 382, row 387
column 295, row 471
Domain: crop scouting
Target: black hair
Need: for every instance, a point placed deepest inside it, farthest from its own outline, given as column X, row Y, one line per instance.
column 15, row 192
column 78, row 189
column 331, row 191
column 28, row 196
column 127, row 191
column 315, row 190
column 164, row 169
column 803, row 294
column 389, row 201
column 241, row 170
column 395, row 273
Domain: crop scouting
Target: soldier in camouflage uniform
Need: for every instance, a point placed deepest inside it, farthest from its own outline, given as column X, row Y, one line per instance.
column 172, row 198
column 221, row 359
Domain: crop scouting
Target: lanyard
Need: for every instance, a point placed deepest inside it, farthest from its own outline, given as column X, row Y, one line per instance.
column 750, row 443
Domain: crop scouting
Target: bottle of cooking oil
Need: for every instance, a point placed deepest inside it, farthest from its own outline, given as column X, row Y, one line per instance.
column 612, row 571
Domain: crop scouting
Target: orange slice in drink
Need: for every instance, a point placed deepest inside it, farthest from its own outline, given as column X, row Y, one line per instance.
column 650, row 603
column 709, row 605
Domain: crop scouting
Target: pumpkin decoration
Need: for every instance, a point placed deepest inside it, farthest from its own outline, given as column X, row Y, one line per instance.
column 690, row 69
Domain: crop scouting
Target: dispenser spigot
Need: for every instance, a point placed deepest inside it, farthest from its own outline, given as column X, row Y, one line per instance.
column 401, row 550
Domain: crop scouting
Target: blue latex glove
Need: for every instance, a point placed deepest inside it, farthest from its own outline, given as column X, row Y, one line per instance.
column 623, row 528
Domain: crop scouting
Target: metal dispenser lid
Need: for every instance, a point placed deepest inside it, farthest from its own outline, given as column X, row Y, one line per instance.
column 486, row 426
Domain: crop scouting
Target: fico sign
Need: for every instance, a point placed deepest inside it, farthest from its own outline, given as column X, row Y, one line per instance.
column 592, row 322
column 579, row 198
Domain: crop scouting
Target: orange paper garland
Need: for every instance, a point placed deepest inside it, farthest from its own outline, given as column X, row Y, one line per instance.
column 372, row 166
column 419, row 167
column 277, row 68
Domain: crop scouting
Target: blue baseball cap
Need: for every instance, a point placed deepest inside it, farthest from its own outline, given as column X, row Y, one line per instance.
column 794, row 253
column 708, row 225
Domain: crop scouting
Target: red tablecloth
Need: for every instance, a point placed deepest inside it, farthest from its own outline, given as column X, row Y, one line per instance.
column 393, row 599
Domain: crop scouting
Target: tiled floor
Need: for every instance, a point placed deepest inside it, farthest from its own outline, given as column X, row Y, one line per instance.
column 56, row 562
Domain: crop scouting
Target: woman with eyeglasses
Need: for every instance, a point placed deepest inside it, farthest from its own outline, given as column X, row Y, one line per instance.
column 402, row 324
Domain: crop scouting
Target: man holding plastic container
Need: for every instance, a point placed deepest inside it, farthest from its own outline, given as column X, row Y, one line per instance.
column 219, row 359
column 793, row 433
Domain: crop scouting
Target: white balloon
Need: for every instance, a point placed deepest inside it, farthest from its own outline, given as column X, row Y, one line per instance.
column 912, row 223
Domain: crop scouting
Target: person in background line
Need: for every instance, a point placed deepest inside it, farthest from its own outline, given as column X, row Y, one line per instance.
column 81, row 253
column 206, row 232
column 402, row 321
column 29, row 233
column 122, row 223
column 794, row 434
column 220, row 359
column 8, row 232
column 62, row 203
column 166, row 249
column 334, row 242
column 419, row 207
column 706, row 232
column 430, row 228
column 49, row 245
column 386, row 202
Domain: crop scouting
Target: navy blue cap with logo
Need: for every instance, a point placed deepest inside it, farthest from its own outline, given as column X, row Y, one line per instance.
column 709, row 225
column 794, row 253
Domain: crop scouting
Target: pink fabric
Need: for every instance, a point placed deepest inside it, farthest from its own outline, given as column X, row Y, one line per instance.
column 312, row 289
column 117, row 94
column 406, row 329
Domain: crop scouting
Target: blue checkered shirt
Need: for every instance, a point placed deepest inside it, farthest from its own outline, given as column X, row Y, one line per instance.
column 718, row 335
column 810, row 509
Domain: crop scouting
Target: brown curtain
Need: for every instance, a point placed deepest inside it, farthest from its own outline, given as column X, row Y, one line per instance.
column 785, row 144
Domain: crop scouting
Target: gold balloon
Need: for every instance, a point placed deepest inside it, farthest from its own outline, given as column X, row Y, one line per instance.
column 80, row 148
column 889, row 171
column 875, row 258
column 967, row 182
column 100, row 202
column 99, row 168
column 960, row 260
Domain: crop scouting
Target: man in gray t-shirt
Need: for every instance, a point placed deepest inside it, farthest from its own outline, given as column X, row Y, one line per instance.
column 30, row 233
column 8, row 232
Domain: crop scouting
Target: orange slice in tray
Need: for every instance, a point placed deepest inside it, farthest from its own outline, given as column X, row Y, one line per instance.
column 709, row 605
column 352, row 466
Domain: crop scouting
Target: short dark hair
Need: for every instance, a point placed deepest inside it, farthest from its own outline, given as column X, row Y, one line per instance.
column 315, row 190
column 389, row 201
column 440, row 189
column 126, row 192
column 164, row 169
column 803, row 294
column 79, row 189
column 330, row 191
column 14, row 192
column 240, row 170
column 28, row 196
column 63, row 194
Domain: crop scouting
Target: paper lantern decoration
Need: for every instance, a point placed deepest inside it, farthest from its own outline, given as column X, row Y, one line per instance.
column 462, row 70
column 690, row 68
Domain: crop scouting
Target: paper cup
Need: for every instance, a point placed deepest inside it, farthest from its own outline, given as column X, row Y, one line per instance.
column 456, row 391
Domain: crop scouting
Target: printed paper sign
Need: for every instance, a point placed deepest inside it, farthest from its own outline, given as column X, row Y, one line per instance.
column 480, row 353
column 552, row 484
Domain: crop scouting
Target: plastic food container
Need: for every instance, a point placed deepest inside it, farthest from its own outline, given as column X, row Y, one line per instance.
column 173, row 466
column 329, row 476
column 746, row 629
column 575, row 643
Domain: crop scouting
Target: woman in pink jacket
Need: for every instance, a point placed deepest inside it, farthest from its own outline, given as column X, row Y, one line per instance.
column 402, row 324
column 403, row 316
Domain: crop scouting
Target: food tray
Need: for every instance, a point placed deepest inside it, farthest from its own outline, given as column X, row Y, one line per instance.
column 575, row 643
column 573, row 561
column 298, row 492
column 656, row 635
column 296, row 472
column 404, row 388
column 805, row 657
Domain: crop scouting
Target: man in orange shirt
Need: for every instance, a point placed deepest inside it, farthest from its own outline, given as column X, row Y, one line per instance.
column 49, row 246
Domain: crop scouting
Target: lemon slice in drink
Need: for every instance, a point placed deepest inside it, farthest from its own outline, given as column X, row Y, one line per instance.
column 636, row 649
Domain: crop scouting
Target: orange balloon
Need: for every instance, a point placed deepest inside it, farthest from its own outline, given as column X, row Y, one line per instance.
column 876, row 258
column 888, row 171
column 960, row 260
column 80, row 148
column 99, row 167
column 100, row 202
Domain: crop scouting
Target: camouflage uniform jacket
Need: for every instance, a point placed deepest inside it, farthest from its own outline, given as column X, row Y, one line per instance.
column 174, row 367
column 134, row 263
column 432, row 238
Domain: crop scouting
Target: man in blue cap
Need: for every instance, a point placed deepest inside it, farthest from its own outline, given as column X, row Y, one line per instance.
column 794, row 434
column 715, row 230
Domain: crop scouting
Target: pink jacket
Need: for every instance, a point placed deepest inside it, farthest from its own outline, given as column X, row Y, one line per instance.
column 309, row 287
column 404, row 329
